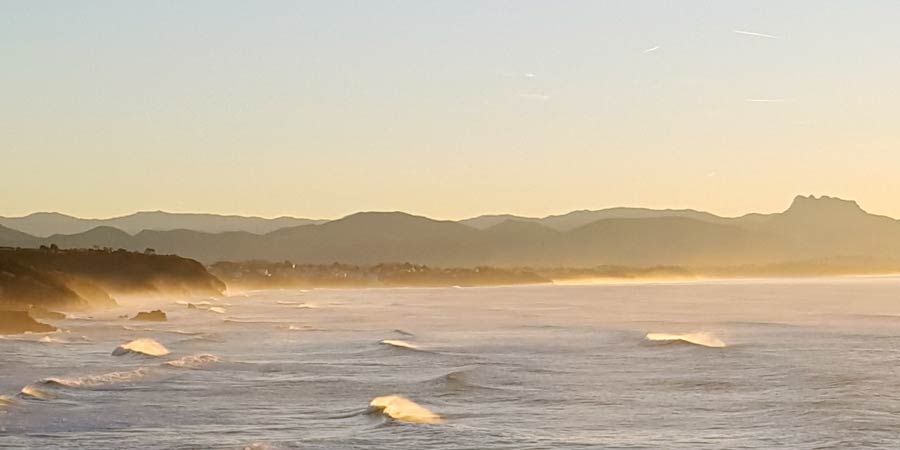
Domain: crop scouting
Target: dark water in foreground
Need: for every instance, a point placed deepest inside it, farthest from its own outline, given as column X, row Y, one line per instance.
column 806, row 365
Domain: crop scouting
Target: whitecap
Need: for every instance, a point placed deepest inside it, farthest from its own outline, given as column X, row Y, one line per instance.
column 32, row 391
column 217, row 310
column 400, row 344
column 6, row 401
column 702, row 339
column 405, row 410
column 88, row 381
column 193, row 361
column 187, row 333
column 142, row 346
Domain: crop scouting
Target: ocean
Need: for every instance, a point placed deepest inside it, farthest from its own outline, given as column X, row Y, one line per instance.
column 745, row 364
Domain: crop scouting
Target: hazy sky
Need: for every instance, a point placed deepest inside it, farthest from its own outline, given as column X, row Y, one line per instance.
column 446, row 108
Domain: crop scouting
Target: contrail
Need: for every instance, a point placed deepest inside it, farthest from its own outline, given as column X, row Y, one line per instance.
column 765, row 100
column 752, row 33
column 651, row 49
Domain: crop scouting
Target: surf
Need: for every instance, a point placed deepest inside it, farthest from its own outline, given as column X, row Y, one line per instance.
column 193, row 361
column 143, row 346
column 33, row 392
column 701, row 339
column 105, row 379
column 400, row 344
column 404, row 410
column 6, row 401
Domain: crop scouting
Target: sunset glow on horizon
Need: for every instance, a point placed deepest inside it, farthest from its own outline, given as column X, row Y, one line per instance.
column 448, row 109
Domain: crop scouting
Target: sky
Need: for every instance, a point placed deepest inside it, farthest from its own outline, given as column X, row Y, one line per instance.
column 448, row 109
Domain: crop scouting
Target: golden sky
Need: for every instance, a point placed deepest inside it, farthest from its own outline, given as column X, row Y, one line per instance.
column 447, row 109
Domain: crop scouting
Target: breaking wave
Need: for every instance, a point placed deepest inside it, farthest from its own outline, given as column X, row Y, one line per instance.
column 5, row 401
column 404, row 410
column 89, row 381
column 186, row 333
column 111, row 378
column 217, row 309
column 400, row 344
column 193, row 361
column 32, row 391
column 141, row 346
column 701, row 339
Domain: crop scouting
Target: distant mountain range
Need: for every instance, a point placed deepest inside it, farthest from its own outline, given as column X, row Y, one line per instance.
column 812, row 228
column 45, row 224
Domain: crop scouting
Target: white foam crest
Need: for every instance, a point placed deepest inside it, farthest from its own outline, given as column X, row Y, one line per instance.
column 702, row 339
column 99, row 380
column 32, row 391
column 193, row 361
column 400, row 344
column 187, row 333
column 217, row 309
column 25, row 337
column 305, row 306
column 6, row 401
column 404, row 409
column 142, row 346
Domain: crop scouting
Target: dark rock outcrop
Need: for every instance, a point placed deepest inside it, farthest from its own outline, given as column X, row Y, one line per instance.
column 156, row 315
column 17, row 322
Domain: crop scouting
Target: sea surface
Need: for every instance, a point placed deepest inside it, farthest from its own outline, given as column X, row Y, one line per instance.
column 757, row 364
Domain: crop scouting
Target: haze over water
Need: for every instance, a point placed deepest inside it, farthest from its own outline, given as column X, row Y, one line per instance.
column 803, row 364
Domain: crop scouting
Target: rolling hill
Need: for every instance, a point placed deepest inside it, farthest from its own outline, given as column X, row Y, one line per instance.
column 44, row 224
column 812, row 228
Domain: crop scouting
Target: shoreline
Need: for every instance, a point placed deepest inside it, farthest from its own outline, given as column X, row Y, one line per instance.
column 237, row 291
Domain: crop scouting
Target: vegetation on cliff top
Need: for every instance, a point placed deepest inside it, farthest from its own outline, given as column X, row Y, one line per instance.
column 80, row 279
